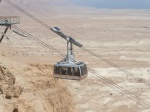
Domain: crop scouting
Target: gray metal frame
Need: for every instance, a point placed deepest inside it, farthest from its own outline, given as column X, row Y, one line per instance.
column 68, row 76
column 69, row 60
column 8, row 21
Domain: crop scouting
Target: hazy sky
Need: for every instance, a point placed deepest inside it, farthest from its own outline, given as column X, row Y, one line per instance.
column 115, row 4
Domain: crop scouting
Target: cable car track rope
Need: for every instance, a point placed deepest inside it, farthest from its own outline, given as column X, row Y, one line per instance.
column 116, row 66
column 43, row 15
column 134, row 97
column 117, row 87
column 87, row 50
column 28, row 14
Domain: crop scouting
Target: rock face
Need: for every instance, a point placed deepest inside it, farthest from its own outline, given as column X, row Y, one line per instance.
column 6, row 77
column 32, row 88
column 7, row 81
column 8, row 90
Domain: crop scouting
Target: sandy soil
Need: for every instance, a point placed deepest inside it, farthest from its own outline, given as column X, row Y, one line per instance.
column 34, row 90
column 120, row 36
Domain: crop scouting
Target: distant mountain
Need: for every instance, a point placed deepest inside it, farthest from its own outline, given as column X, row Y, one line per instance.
column 45, row 6
column 50, row 2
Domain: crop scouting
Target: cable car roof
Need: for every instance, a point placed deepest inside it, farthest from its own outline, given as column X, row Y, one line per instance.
column 70, row 65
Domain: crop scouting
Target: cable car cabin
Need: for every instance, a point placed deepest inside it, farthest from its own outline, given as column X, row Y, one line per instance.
column 68, row 68
column 70, row 71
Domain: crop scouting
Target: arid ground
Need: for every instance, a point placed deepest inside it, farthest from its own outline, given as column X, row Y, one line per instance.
column 119, row 36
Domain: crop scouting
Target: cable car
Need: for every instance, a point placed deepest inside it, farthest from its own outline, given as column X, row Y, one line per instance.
column 76, row 71
column 68, row 68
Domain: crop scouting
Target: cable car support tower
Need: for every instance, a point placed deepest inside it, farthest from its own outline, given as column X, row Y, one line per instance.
column 8, row 21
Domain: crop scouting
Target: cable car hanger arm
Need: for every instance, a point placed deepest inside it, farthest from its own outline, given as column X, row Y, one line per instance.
column 68, row 38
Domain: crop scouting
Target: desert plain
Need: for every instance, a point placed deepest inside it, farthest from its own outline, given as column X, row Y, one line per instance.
column 119, row 36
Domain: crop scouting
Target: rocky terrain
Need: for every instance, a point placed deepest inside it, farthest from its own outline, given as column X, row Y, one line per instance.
column 119, row 36
column 31, row 88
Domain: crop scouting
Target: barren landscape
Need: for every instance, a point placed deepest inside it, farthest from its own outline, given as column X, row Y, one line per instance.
column 119, row 36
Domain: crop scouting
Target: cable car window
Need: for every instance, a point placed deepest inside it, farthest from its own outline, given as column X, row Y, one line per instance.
column 70, row 71
column 63, row 70
column 76, row 72
column 57, row 70
column 84, row 69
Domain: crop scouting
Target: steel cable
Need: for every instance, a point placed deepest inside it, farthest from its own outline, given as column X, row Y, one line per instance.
column 90, row 52
column 93, row 72
column 121, row 89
